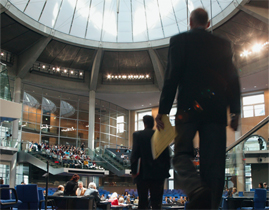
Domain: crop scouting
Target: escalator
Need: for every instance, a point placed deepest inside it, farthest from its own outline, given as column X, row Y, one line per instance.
column 108, row 160
column 40, row 161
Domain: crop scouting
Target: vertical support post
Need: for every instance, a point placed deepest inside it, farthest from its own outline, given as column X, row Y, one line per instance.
column 17, row 99
column 13, row 164
column 211, row 17
column 91, row 119
column 47, row 186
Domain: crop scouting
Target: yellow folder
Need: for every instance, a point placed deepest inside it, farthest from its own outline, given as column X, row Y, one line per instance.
column 163, row 138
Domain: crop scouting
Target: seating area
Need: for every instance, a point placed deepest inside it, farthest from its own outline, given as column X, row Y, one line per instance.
column 62, row 156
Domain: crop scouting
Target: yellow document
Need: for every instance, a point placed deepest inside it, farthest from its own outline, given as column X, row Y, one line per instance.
column 163, row 138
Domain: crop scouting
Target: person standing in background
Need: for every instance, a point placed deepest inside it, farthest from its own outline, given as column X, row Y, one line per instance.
column 152, row 172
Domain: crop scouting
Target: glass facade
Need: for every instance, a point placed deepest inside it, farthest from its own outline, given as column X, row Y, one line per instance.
column 60, row 118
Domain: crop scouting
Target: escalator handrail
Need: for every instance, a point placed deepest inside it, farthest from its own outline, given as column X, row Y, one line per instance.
column 249, row 133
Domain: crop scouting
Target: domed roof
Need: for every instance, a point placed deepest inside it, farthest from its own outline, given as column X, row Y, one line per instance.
column 118, row 21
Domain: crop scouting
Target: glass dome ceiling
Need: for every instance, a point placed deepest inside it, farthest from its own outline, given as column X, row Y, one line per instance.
column 117, row 21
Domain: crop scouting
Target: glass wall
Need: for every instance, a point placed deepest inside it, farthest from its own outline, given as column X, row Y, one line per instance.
column 111, row 125
column 60, row 118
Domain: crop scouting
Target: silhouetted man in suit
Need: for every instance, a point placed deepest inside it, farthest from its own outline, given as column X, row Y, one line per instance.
column 152, row 172
column 200, row 66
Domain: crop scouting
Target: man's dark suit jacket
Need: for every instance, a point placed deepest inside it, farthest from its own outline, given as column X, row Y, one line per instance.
column 149, row 169
column 200, row 66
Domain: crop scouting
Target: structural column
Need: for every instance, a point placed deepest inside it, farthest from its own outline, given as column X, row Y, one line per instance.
column 17, row 99
column 13, row 165
column 91, row 119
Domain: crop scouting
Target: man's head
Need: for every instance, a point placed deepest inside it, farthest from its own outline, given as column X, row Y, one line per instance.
column 199, row 19
column 264, row 185
column 80, row 185
column 148, row 121
column 92, row 185
column 61, row 187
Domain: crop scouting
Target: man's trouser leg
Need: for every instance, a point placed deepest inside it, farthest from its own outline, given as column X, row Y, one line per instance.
column 156, row 193
column 188, row 180
column 142, row 189
column 212, row 159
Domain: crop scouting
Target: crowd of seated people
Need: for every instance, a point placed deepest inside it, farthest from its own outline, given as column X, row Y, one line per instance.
column 65, row 155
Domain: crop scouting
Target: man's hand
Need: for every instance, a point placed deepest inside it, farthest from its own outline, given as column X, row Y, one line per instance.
column 234, row 122
column 159, row 122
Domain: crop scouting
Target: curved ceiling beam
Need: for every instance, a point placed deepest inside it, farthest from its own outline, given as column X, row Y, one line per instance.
column 28, row 57
column 158, row 68
column 257, row 12
column 95, row 70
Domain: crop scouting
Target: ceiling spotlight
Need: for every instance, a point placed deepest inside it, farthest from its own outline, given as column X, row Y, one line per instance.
column 65, row 71
column 43, row 66
column 2, row 54
column 112, row 76
column 109, row 76
column 120, row 76
column 80, row 73
column 245, row 53
column 257, row 48
column 142, row 76
column 147, row 76
column 124, row 76
column 53, row 68
column 58, row 69
column 72, row 72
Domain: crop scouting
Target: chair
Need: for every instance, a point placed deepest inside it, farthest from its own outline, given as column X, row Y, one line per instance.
column 28, row 194
column 6, row 202
column 259, row 200
column 42, row 201
column 240, row 193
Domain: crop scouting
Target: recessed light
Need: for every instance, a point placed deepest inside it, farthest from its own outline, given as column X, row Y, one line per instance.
column 244, row 88
column 149, row 103
column 255, row 86
column 142, row 105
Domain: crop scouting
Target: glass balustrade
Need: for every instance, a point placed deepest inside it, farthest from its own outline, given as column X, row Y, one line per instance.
column 4, row 83
column 247, row 159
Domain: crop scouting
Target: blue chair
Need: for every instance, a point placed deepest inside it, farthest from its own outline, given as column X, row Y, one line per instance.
column 6, row 202
column 240, row 193
column 28, row 194
column 259, row 200
column 42, row 201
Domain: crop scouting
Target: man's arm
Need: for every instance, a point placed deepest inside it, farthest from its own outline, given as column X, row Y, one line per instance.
column 233, row 91
column 135, row 151
column 171, row 80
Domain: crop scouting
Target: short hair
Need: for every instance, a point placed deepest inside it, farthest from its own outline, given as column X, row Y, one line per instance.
column 199, row 16
column 92, row 185
column 148, row 121
column 80, row 182
column 75, row 177
column 60, row 187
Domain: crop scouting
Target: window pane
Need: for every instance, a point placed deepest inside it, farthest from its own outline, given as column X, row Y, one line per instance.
column 248, row 111
column 142, row 114
column 255, row 99
column 259, row 110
